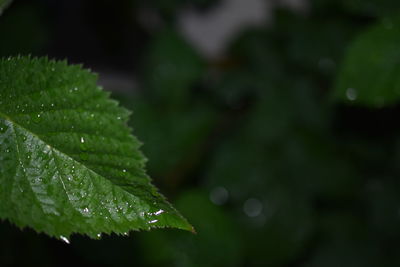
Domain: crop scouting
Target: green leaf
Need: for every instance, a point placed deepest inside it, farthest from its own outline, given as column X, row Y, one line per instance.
column 68, row 161
column 171, row 68
column 370, row 73
column 373, row 8
column 219, row 233
column 4, row 4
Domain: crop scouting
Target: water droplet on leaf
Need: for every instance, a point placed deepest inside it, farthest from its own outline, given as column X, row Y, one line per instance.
column 37, row 118
column 63, row 238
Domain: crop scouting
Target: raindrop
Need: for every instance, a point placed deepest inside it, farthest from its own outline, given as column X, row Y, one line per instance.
column 99, row 235
column 153, row 221
column 3, row 129
column 351, row 94
column 123, row 170
column 37, row 118
column 63, row 238
column 82, row 140
column 8, row 151
column 252, row 207
column 86, row 211
column 219, row 195
column 158, row 212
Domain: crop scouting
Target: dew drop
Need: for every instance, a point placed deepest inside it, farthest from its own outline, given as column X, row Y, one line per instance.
column 37, row 118
column 153, row 221
column 82, row 140
column 63, row 238
column 159, row 212
column 86, row 211
column 123, row 170
column 3, row 129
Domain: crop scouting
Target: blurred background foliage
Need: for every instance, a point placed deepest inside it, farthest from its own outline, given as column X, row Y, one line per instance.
column 283, row 151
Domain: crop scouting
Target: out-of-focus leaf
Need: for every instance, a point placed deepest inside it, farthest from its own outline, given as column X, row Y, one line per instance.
column 374, row 8
column 172, row 66
column 186, row 132
column 3, row 5
column 217, row 242
column 345, row 241
column 370, row 72
column 282, row 229
column 68, row 162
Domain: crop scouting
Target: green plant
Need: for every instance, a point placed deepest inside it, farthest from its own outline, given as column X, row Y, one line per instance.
column 68, row 161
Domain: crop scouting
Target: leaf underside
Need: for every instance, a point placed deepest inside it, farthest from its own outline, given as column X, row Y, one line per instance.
column 68, row 162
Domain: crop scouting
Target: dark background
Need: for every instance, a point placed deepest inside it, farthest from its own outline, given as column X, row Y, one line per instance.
column 249, row 144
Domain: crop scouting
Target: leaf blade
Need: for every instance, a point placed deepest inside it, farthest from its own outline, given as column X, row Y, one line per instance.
column 76, row 158
column 369, row 75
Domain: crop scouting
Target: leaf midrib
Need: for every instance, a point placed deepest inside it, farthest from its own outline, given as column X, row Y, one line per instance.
column 59, row 151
